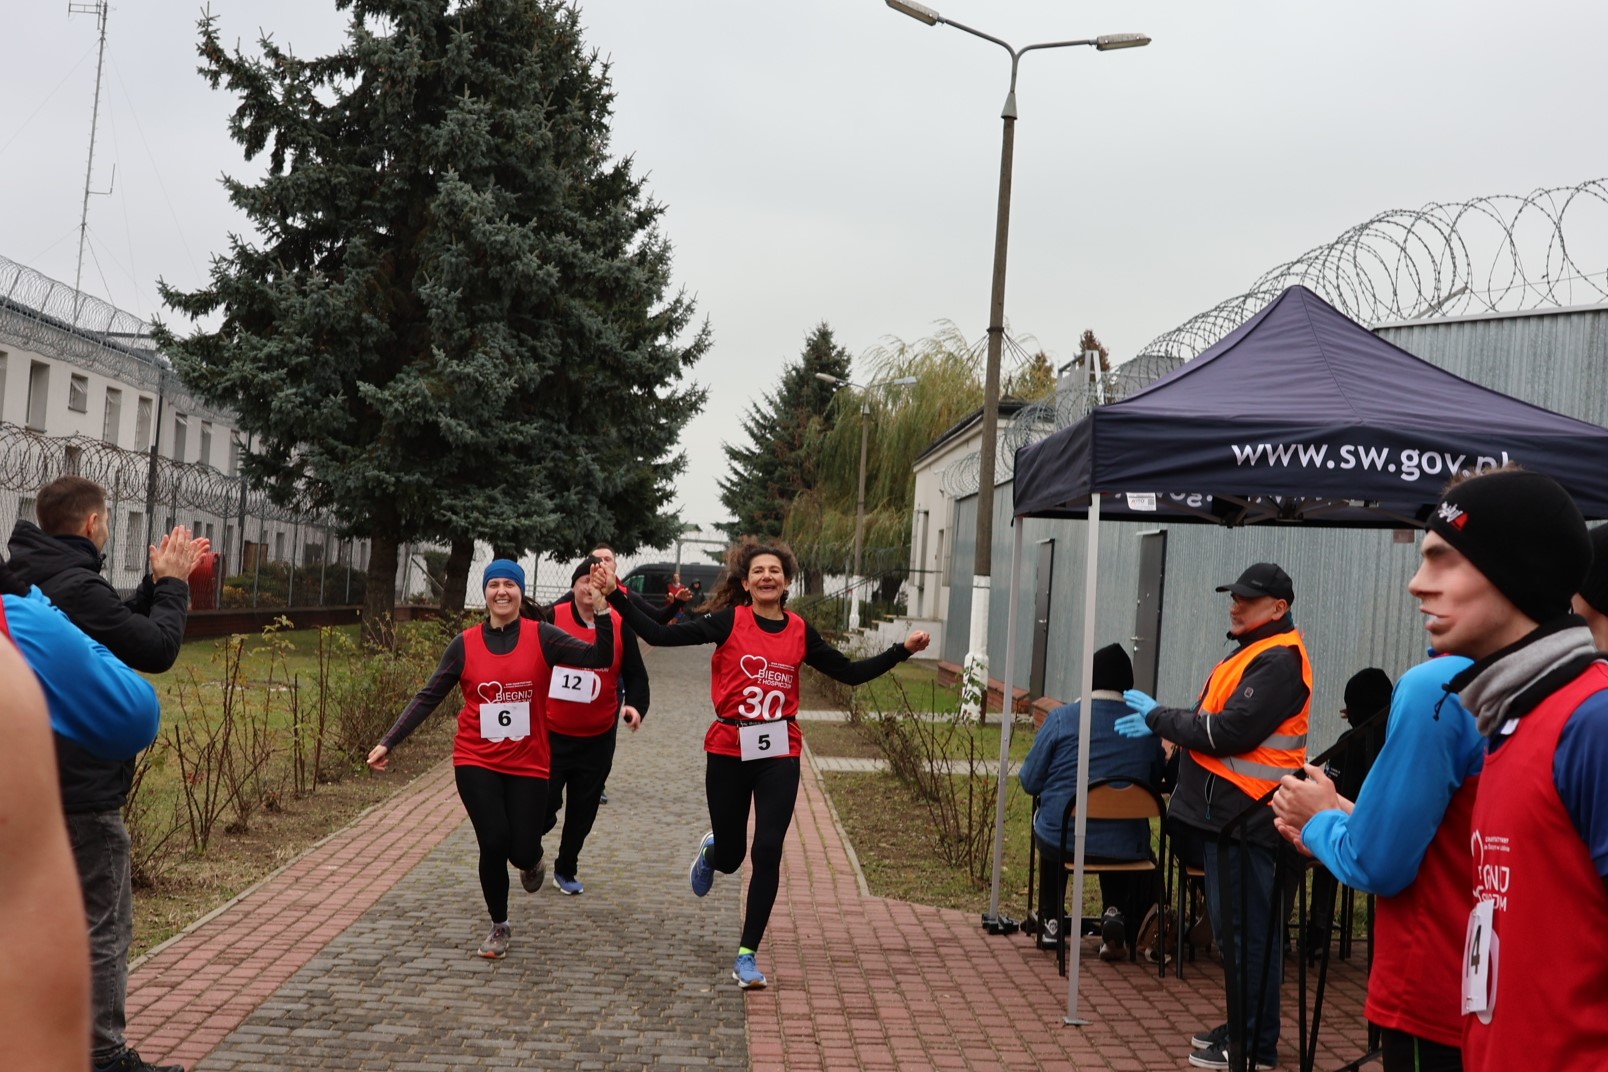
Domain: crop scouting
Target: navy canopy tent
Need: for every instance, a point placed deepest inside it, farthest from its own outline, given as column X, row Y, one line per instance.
column 1299, row 416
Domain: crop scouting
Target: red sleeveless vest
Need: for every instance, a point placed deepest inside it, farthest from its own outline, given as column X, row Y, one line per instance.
column 499, row 683
column 596, row 717
column 754, row 676
column 1549, row 961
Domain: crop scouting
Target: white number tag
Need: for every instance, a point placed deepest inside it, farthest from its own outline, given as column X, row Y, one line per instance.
column 505, row 721
column 763, row 740
column 576, row 686
column 1479, row 962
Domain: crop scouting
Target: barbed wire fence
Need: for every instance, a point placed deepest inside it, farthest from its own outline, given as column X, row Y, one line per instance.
column 264, row 546
column 1499, row 254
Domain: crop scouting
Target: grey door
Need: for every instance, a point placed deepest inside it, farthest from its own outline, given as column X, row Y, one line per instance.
column 1147, row 609
column 1041, row 615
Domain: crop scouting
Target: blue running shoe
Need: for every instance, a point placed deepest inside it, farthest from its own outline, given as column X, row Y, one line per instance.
column 567, row 884
column 702, row 874
column 747, row 973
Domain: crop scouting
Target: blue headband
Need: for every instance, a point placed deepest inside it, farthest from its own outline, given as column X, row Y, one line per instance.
column 503, row 567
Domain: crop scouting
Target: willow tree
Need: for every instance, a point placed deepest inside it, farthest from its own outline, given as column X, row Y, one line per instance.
column 453, row 320
column 902, row 422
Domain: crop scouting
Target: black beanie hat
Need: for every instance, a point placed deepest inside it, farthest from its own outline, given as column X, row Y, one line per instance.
column 1367, row 693
column 1594, row 589
column 585, row 567
column 1113, row 670
column 1524, row 532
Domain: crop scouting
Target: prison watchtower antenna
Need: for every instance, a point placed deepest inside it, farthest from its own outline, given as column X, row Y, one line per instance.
column 99, row 9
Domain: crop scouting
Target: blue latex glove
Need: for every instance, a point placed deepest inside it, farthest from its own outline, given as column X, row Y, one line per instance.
column 1132, row 726
column 1141, row 702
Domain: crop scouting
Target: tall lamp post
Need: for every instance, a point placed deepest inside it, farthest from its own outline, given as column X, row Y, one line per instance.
column 975, row 675
column 859, row 509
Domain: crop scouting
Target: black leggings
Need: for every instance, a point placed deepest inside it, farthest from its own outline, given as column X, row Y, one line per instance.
column 1409, row 1053
column 772, row 787
column 582, row 764
column 506, row 811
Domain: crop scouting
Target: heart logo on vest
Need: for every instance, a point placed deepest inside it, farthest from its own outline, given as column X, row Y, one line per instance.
column 754, row 665
column 496, row 691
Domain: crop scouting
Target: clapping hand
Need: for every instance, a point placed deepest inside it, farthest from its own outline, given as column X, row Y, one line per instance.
column 177, row 554
column 917, row 641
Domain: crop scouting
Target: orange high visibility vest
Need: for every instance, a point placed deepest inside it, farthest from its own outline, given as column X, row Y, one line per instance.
column 1259, row 770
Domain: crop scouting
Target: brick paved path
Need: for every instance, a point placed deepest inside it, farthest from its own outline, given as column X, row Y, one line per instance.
column 356, row 956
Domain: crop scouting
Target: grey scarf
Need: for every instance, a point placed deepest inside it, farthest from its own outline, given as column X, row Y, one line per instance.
column 1491, row 692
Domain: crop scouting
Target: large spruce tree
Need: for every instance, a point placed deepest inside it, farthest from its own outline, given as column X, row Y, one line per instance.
column 454, row 320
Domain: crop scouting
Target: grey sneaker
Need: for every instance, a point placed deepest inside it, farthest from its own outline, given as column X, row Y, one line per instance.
column 1113, row 935
column 495, row 947
column 1214, row 1039
column 532, row 877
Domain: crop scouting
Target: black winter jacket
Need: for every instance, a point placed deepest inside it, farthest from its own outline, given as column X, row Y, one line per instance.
column 144, row 631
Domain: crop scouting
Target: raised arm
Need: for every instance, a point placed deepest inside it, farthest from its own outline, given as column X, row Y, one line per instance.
column 834, row 664
column 708, row 629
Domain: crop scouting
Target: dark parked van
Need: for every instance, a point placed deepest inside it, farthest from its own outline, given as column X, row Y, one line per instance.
column 652, row 579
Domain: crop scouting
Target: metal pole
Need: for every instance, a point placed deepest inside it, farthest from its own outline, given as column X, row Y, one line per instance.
column 1091, row 580
column 859, row 515
column 1006, row 718
column 976, row 673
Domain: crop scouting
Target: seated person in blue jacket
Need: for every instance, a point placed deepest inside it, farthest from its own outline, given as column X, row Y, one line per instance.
column 1050, row 772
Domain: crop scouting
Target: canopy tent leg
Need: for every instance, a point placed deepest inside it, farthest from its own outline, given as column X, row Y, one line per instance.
column 1074, row 898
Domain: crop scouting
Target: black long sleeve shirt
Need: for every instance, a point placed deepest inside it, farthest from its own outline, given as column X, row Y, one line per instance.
column 557, row 647
column 716, row 629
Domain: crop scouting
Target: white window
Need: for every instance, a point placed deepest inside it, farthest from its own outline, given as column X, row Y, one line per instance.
column 279, row 547
column 206, row 443
column 142, row 424
column 72, row 460
column 78, row 393
column 134, row 545
column 38, row 394
column 236, row 446
column 114, row 415
column 181, row 429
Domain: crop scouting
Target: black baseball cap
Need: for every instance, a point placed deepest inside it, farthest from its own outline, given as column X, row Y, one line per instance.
column 1262, row 579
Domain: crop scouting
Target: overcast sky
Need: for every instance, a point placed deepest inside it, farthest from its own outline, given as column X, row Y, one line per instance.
column 835, row 160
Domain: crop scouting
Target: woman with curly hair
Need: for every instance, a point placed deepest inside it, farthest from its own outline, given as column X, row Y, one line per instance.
column 754, row 744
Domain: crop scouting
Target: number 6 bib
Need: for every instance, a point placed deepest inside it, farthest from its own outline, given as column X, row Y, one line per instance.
column 505, row 720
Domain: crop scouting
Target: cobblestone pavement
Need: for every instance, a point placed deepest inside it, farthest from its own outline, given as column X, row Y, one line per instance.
column 357, row 955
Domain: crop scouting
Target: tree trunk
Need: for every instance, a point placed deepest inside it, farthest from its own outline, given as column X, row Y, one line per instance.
column 379, row 595
column 814, row 581
column 456, row 580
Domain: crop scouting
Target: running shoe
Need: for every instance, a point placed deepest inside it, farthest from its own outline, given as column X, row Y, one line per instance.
column 1217, row 1057
column 567, row 884
column 131, row 1061
column 1113, row 935
column 747, row 973
column 532, row 877
column 702, row 874
column 495, row 947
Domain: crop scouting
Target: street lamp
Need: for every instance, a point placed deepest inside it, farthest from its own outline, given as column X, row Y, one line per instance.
column 859, row 510
column 976, row 672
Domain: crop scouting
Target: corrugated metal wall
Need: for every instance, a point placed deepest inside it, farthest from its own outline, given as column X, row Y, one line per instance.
column 1351, row 586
